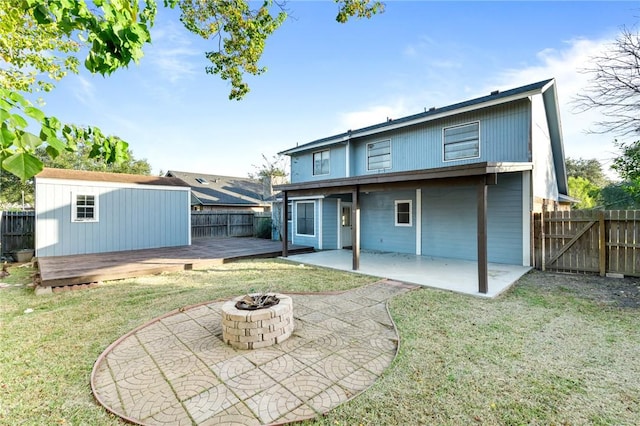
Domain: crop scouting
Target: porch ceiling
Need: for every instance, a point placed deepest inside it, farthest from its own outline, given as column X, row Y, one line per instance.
column 381, row 181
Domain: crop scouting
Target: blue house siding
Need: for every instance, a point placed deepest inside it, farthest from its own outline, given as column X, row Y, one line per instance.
column 378, row 229
column 128, row 218
column 302, row 165
column 330, row 224
column 449, row 221
column 504, row 222
column 504, row 136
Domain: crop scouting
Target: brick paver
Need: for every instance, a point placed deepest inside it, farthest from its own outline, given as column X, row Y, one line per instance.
column 177, row 369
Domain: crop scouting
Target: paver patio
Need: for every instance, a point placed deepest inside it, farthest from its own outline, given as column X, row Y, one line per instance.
column 177, row 370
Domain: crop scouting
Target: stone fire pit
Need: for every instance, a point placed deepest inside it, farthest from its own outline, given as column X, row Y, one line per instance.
column 257, row 328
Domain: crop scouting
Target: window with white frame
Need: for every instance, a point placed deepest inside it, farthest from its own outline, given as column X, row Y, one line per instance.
column 460, row 142
column 289, row 208
column 84, row 207
column 321, row 163
column 379, row 155
column 305, row 218
column 403, row 213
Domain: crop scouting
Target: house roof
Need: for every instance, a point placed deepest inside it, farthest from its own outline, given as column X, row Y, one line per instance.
column 546, row 88
column 216, row 190
column 52, row 173
column 495, row 98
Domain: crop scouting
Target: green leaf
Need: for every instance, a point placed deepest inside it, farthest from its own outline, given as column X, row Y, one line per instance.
column 19, row 121
column 6, row 137
column 56, row 144
column 30, row 141
column 23, row 165
column 34, row 113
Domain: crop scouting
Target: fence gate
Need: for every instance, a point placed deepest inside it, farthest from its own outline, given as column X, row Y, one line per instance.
column 588, row 241
column 17, row 231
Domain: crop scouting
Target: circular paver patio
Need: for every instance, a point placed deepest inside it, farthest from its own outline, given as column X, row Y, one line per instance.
column 176, row 370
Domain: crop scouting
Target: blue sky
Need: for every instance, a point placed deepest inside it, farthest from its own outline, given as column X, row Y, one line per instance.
column 324, row 78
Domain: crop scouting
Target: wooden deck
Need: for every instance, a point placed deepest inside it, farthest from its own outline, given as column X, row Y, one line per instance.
column 58, row 271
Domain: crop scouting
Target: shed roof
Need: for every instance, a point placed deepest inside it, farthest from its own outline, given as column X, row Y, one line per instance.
column 52, row 173
column 217, row 190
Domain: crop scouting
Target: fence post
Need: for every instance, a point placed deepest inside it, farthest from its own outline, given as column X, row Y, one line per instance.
column 602, row 246
column 542, row 238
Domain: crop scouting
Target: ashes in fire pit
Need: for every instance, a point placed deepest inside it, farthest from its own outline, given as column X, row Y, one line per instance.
column 257, row 301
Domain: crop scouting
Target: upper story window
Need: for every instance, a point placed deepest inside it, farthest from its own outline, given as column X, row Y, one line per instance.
column 202, row 181
column 84, row 207
column 379, row 155
column 460, row 142
column 321, row 163
column 305, row 215
column 403, row 213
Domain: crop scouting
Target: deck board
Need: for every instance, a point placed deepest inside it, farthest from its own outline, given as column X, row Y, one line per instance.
column 202, row 253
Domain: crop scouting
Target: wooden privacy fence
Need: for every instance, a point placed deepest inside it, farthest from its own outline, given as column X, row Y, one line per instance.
column 225, row 224
column 17, row 231
column 588, row 241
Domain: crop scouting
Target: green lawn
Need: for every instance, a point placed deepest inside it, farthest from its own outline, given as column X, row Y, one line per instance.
column 540, row 354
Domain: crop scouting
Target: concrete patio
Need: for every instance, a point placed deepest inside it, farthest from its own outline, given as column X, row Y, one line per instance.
column 448, row 274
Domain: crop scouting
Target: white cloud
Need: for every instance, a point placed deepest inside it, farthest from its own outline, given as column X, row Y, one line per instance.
column 84, row 91
column 171, row 52
column 566, row 66
column 371, row 115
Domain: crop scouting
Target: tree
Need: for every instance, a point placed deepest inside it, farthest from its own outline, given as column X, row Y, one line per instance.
column 614, row 87
column 274, row 167
column 616, row 197
column 79, row 158
column 40, row 37
column 585, row 191
column 13, row 190
column 589, row 169
column 627, row 164
column 586, row 179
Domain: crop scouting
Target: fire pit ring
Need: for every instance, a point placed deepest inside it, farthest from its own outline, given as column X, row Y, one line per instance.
column 260, row 328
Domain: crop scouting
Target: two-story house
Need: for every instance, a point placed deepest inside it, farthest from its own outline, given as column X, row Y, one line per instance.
column 456, row 182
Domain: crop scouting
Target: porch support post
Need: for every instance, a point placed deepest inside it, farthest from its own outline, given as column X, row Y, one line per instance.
column 483, row 275
column 355, row 227
column 285, row 224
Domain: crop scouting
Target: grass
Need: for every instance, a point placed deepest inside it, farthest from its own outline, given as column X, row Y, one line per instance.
column 537, row 355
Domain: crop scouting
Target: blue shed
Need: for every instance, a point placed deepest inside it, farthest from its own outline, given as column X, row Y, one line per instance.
column 80, row 212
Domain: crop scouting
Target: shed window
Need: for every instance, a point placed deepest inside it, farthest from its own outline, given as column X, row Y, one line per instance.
column 379, row 155
column 305, row 215
column 403, row 213
column 461, row 142
column 321, row 163
column 84, row 208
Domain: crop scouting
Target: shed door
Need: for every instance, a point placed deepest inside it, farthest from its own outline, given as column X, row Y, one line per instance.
column 345, row 225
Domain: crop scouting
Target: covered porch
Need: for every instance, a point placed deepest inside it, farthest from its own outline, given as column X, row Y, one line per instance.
column 456, row 275
column 476, row 177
